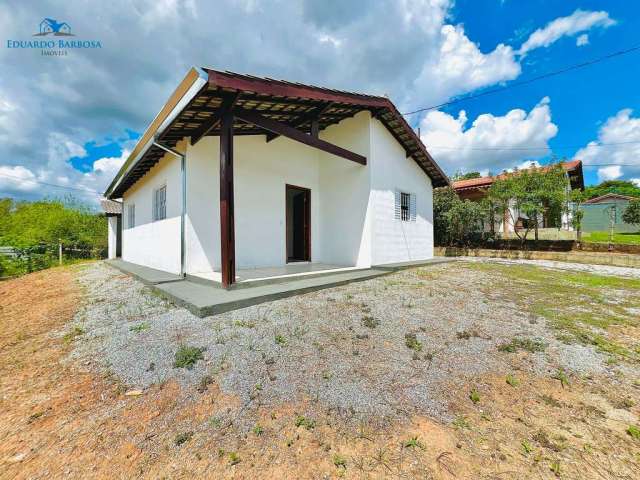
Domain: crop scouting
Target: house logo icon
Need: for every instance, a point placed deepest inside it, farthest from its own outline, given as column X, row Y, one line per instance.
column 49, row 26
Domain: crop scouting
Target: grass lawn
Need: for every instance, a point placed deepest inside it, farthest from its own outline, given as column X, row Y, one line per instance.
column 462, row 370
column 619, row 238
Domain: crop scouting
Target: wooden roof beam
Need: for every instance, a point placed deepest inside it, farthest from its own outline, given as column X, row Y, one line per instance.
column 297, row 135
column 227, row 104
column 312, row 116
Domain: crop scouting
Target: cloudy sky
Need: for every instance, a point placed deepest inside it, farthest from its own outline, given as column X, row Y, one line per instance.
column 71, row 121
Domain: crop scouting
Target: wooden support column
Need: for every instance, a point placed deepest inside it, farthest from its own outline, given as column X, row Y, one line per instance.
column 227, row 231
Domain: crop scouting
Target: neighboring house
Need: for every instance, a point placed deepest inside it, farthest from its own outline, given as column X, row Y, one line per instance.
column 113, row 211
column 476, row 189
column 240, row 172
column 602, row 212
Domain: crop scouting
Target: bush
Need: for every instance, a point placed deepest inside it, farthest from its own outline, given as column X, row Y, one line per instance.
column 631, row 214
column 457, row 221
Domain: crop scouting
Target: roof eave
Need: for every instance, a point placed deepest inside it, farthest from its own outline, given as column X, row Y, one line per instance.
column 191, row 84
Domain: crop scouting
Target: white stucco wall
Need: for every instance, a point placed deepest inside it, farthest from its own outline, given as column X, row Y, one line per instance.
column 154, row 244
column 112, row 229
column 345, row 186
column 395, row 240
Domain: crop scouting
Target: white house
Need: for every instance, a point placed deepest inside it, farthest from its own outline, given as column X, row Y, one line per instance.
column 238, row 172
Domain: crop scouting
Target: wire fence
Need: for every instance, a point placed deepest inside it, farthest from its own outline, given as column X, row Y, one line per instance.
column 15, row 262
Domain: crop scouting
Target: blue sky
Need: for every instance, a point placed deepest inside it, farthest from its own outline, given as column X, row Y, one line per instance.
column 71, row 121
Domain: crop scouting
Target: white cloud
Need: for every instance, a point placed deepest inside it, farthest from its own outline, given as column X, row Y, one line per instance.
column 612, row 172
column 582, row 40
column 578, row 21
column 479, row 147
column 618, row 144
column 17, row 179
column 636, row 181
column 460, row 66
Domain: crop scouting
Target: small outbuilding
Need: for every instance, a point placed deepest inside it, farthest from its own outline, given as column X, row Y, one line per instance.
column 604, row 212
column 238, row 173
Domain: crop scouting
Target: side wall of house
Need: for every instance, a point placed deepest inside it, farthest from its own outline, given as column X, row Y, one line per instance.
column 112, row 239
column 154, row 244
column 395, row 240
column 344, row 191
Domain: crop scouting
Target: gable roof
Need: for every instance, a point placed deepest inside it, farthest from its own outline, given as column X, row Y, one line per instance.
column 609, row 197
column 573, row 169
column 201, row 93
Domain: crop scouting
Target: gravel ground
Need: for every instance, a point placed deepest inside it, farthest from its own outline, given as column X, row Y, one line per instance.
column 345, row 349
column 576, row 267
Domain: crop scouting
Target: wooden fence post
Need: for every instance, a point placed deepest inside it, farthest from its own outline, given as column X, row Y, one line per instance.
column 60, row 252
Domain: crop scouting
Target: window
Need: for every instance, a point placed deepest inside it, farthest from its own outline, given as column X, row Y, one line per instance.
column 405, row 206
column 131, row 216
column 160, row 203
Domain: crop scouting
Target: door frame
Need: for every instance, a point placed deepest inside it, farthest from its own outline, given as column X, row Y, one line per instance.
column 307, row 232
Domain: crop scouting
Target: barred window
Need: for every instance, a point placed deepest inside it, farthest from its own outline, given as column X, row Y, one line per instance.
column 160, row 203
column 131, row 215
column 405, row 206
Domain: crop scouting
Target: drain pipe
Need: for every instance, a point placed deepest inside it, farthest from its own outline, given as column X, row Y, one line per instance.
column 183, row 213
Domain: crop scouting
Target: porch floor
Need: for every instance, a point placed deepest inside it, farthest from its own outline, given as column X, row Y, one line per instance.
column 301, row 269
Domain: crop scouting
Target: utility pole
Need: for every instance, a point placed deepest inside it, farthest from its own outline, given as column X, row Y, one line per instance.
column 612, row 220
column 60, row 251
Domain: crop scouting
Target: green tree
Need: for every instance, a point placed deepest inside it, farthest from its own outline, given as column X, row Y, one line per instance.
column 577, row 198
column 631, row 214
column 456, row 221
column 532, row 193
column 459, row 175
column 621, row 187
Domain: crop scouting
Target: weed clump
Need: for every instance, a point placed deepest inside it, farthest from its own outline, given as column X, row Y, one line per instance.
column 76, row 331
column 634, row 432
column 370, row 322
column 531, row 346
column 183, row 437
column 307, row 423
column 412, row 342
column 186, row 357
column 339, row 461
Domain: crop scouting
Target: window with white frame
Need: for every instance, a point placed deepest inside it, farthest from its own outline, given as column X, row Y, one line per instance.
column 160, row 203
column 131, row 215
column 405, row 207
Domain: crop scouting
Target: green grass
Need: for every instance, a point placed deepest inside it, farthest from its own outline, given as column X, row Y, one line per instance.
column 581, row 307
column 619, row 238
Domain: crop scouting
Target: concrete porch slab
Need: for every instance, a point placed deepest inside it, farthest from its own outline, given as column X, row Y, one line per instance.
column 204, row 300
column 148, row 276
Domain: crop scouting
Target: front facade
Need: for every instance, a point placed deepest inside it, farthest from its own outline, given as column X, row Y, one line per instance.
column 353, row 199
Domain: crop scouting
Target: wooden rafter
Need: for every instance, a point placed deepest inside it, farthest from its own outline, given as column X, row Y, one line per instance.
column 227, row 104
column 311, row 116
column 297, row 135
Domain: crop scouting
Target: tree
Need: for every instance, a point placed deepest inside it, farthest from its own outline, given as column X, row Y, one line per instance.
column 456, row 221
column 465, row 176
column 631, row 214
column 577, row 197
column 533, row 192
column 621, row 187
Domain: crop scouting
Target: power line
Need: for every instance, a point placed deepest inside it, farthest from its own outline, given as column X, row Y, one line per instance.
column 531, row 80
column 566, row 147
column 86, row 190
